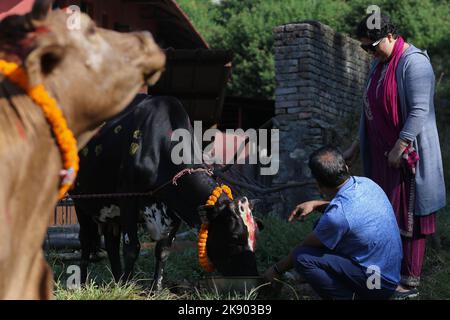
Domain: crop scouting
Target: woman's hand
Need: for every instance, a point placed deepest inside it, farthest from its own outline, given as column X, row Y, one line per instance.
column 395, row 155
column 351, row 153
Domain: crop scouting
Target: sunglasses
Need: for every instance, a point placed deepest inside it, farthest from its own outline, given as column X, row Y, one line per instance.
column 372, row 47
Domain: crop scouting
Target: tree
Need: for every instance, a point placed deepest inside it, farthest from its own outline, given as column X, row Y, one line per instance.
column 246, row 27
column 203, row 14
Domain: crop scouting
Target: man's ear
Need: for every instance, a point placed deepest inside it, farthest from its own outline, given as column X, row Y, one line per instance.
column 41, row 9
column 44, row 59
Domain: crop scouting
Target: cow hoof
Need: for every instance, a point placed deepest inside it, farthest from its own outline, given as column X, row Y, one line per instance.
column 98, row 255
column 156, row 286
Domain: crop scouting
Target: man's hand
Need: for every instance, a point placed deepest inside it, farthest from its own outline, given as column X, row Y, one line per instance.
column 271, row 274
column 302, row 210
column 395, row 155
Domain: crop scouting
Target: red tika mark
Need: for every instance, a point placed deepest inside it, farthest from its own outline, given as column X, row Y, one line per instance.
column 252, row 230
column 21, row 130
column 31, row 36
column 41, row 29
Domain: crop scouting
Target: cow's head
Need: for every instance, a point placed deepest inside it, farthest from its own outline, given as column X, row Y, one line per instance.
column 231, row 236
column 92, row 72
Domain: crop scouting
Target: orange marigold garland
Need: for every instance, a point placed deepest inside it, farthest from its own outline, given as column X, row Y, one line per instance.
column 203, row 233
column 54, row 116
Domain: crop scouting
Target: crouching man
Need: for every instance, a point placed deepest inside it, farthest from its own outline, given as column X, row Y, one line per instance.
column 354, row 252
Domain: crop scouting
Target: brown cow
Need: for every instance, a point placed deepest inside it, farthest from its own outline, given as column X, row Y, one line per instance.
column 93, row 74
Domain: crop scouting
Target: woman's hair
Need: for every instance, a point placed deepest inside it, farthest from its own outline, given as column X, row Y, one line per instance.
column 386, row 26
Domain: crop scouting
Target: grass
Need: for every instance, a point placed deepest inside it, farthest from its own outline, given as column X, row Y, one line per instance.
column 182, row 273
column 436, row 270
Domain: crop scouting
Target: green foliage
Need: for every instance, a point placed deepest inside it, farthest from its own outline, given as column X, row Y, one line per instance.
column 245, row 27
column 279, row 237
column 248, row 32
column 203, row 15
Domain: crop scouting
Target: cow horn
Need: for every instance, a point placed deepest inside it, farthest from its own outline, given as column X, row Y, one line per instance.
column 41, row 9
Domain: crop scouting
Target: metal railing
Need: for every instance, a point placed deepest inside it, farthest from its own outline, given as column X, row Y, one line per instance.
column 64, row 213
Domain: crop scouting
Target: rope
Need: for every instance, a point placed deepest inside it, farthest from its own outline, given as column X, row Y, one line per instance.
column 209, row 172
column 140, row 194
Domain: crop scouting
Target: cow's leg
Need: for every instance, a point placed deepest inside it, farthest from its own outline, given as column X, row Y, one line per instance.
column 162, row 252
column 87, row 236
column 131, row 245
column 112, row 244
column 131, row 249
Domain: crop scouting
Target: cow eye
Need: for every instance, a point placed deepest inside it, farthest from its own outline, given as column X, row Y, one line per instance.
column 91, row 30
column 241, row 209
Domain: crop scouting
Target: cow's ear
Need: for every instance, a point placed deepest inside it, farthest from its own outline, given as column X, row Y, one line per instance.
column 259, row 223
column 44, row 59
column 203, row 213
column 208, row 213
column 253, row 203
column 15, row 28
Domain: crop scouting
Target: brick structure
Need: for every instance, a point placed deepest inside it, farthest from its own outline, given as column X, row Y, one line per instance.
column 320, row 77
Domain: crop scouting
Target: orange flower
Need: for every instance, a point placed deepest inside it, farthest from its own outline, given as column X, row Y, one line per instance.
column 64, row 137
column 203, row 233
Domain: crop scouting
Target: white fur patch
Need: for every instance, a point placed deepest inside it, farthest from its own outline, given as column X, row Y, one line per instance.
column 157, row 222
column 109, row 213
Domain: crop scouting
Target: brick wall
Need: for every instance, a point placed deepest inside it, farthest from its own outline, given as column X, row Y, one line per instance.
column 320, row 77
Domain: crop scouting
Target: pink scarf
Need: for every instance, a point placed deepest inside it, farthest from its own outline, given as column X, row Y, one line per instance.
column 390, row 98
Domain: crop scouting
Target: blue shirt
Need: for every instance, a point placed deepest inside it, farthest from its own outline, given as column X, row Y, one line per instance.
column 359, row 223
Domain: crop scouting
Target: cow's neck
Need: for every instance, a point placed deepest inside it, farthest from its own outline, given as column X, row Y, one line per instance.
column 29, row 173
column 85, row 115
column 192, row 191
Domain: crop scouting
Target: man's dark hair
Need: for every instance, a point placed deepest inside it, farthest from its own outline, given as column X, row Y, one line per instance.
column 386, row 26
column 328, row 167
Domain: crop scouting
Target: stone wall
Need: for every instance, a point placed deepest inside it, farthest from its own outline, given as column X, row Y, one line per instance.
column 320, row 77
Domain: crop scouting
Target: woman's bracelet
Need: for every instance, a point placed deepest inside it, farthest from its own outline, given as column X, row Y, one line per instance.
column 404, row 143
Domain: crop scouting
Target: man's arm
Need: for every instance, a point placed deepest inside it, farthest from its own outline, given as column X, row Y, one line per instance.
column 305, row 208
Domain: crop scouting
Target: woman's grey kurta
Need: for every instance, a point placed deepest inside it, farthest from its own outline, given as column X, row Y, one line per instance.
column 415, row 83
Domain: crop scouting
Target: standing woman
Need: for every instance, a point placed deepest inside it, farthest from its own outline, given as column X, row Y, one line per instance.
column 399, row 140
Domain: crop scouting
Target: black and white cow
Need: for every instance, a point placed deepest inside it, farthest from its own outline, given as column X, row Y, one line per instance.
column 132, row 153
